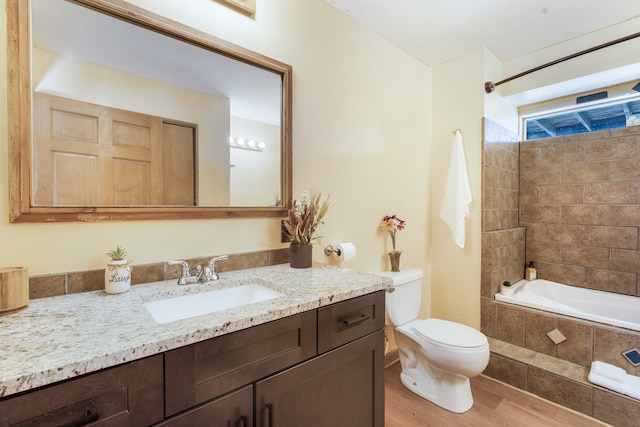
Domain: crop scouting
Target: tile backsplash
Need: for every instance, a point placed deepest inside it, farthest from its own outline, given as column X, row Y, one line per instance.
column 93, row 280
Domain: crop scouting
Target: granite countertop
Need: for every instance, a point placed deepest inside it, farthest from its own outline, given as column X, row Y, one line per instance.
column 65, row 336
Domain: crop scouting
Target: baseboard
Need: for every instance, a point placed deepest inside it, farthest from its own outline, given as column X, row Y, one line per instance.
column 392, row 357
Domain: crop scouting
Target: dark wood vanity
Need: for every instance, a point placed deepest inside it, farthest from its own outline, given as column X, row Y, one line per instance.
column 322, row 367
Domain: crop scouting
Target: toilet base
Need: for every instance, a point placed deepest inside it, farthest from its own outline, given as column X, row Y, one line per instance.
column 450, row 392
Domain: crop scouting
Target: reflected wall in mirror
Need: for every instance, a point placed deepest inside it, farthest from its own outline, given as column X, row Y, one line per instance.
column 141, row 119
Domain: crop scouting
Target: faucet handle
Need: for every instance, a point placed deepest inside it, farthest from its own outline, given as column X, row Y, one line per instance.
column 185, row 267
column 212, row 266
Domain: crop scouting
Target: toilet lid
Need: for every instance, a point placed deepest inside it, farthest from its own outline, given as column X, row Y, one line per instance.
column 448, row 333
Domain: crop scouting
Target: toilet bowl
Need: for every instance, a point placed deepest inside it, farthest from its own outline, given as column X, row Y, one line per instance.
column 437, row 356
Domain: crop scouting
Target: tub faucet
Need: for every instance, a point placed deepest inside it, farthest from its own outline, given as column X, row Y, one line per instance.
column 186, row 277
column 210, row 270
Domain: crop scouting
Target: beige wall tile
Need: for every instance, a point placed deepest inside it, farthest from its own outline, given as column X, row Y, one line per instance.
column 625, row 170
column 536, row 328
column 612, row 192
column 576, row 173
column 614, row 409
column 567, row 274
column 611, row 281
column 510, row 325
column 625, row 260
column 544, row 252
column 562, row 233
column 47, row 286
column 540, row 175
column 563, row 153
column 578, row 348
column 608, row 347
column 541, row 213
column 613, row 149
column 565, row 194
column 612, row 237
column 560, row 390
column 508, row 371
column 625, row 215
column 587, row 256
column 588, row 215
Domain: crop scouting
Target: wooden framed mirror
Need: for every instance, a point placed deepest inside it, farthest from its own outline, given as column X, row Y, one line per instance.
column 144, row 119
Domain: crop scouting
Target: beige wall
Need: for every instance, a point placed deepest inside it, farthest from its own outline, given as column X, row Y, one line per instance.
column 371, row 126
column 361, row 132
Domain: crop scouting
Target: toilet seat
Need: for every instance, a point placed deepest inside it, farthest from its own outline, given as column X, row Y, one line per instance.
column 452, row 335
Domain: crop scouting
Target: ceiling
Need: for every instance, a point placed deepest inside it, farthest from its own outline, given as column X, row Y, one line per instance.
column 68, row 29
column 436, row 31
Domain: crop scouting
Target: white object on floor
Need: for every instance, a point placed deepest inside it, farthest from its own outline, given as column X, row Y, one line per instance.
column 457, row 194
column 614, row 378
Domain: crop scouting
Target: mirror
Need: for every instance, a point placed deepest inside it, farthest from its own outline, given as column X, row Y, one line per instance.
column 144, row 119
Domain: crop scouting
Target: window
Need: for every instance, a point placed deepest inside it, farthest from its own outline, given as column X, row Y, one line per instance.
column 588, row 116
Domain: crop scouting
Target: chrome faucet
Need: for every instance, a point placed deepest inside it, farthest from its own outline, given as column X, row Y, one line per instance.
column 186, row 277
column 206, row 274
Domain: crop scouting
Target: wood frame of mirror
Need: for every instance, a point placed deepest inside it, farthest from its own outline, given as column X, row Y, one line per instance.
column 20, row 132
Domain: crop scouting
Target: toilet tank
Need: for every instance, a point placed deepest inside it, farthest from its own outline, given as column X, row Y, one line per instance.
column 403, row 304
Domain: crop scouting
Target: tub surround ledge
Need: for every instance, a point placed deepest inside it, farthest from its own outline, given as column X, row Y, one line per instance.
column 62, row 337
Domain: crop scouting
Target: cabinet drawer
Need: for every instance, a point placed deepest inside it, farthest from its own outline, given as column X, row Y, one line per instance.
column 130, row 394
column 234, row 409
column 349, row 320
column 202, row 371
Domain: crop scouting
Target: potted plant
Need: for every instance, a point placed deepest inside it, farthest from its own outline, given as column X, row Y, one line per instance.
column 300, row 227
column 506, row 288
column 117, row 275
column 393, row 224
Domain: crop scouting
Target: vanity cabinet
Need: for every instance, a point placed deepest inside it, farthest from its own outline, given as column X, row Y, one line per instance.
column 323, row 367
column 129, row 394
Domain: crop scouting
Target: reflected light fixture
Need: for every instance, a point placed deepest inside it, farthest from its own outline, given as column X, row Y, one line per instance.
column 246, row 144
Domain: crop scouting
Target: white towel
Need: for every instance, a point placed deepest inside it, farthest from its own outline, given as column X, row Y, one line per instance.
column 609, row 371
column 615, row 378
column 457, row 194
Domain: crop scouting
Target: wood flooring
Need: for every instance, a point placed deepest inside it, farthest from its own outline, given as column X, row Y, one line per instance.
column 495, row 404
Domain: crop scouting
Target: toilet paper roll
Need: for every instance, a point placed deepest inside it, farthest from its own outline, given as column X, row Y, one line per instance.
column 345, row 251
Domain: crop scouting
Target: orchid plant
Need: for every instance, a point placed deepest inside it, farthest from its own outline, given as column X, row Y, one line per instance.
column 392, row 224
column 305, row 216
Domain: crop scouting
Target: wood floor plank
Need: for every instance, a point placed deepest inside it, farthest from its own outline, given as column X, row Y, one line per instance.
column 495, row 405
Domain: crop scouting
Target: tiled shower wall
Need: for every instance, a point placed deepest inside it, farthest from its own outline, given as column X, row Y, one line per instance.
column 580, row 204
column 503, row 241
column 521, row 353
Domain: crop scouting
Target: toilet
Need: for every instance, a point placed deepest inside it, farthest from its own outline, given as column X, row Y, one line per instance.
column 437, row 356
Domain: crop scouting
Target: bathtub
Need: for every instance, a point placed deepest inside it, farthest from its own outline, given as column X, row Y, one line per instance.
column 598, row 306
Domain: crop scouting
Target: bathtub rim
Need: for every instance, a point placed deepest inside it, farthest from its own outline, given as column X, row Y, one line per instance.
column 561, row 309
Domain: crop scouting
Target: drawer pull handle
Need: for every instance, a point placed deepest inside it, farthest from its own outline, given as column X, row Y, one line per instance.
column 354, row 320
column 269, row 407
column 242, row 422
column 88, row 418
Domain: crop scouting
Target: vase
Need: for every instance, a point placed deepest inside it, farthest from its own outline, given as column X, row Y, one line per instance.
column 506, row 290
column 300, row 256
column 394, row 257
column 117, row 277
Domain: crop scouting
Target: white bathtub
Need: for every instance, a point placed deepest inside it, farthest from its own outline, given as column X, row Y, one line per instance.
column 598, row 306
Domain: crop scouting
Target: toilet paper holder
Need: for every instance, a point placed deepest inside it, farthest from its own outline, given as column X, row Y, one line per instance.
column 343, row 252
column 330, row 250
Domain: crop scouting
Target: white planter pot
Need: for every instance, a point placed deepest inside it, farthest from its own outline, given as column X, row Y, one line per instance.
column 117, row 277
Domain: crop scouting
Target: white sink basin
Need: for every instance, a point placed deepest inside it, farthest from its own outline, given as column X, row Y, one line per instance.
column 176, row 308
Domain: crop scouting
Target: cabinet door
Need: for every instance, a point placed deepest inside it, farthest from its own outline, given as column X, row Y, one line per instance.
column 129, row 394
column 232, row 410
column 344, row 387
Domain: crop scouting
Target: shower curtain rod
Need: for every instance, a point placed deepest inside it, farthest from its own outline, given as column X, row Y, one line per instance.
column 490, row 86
